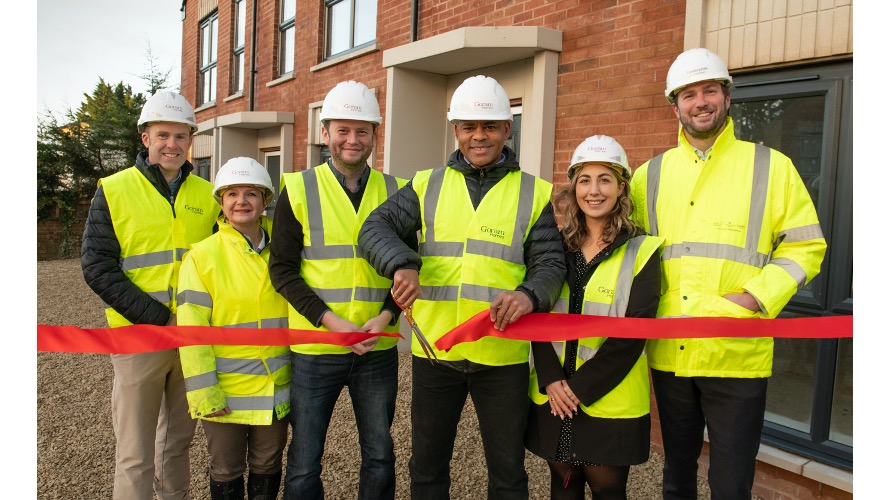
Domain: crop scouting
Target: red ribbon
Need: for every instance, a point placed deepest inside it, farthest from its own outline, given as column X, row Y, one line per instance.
column 548, row 327
column 147, row 338
column 543, row 327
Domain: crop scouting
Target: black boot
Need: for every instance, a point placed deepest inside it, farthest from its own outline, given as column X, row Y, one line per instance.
column 230, row 490
column 263, row 486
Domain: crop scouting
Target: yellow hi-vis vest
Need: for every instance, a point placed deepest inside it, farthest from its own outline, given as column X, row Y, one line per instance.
column 740, row 221
column 607, row 294
column 152, row 238
column 470, row 256
column 225, row 283
column 332, row 265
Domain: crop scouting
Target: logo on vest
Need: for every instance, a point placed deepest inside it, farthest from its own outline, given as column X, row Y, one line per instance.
column 607, row 291
column 494, row 233
column 195, row 210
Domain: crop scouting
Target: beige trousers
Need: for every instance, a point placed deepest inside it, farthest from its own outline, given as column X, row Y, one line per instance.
column 152, row 425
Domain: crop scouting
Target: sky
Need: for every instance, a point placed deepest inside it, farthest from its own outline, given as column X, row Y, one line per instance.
column 79, row 41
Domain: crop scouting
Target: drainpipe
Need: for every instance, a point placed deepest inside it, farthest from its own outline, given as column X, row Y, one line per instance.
column 415, row 7
column 250, row 99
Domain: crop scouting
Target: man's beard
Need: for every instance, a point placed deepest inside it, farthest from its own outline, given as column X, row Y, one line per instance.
column 709, row 131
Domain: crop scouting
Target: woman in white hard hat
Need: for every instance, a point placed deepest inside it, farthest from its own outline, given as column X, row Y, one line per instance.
column 240, row 392
column 590, row 413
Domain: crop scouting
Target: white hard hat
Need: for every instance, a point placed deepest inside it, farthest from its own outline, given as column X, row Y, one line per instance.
column 242, row 171
column 480, row 98
column 167, row 106
column 350, row 100
column 693, row 66
column 599, row 148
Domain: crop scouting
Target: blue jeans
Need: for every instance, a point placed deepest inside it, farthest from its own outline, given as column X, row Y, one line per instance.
column 438, row 396
column 316, row 383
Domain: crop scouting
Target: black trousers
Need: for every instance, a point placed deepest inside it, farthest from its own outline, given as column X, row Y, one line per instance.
column 438, row 396
column 732, row 409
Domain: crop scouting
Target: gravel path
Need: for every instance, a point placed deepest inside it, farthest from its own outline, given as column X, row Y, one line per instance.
column 75, row 442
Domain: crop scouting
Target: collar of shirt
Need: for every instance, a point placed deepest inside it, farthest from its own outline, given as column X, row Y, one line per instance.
column 362, row 180
column 702, row 155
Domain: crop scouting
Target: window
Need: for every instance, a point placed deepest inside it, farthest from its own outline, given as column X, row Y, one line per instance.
column 807, row 114
column 286, row 30
column 202, row 167
column 350, row 24
column 207, row 80
column 273, row 166
column 238, row 49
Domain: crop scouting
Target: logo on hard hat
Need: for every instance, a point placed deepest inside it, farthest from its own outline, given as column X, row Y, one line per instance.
column 697, row 70
column 241, row 172
column 353, row 107
column 598, row 149
column 173, row 107
column 485, row 105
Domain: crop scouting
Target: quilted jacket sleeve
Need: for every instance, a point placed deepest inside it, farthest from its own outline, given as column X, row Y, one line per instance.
column 544, row 262
column 382, row 238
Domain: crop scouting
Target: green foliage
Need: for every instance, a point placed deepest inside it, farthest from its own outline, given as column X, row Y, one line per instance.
column 81, row 147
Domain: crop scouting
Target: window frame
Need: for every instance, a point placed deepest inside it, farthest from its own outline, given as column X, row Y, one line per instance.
column 285, row 26
column 208, row 69
column 328, row 32
column 832, row 288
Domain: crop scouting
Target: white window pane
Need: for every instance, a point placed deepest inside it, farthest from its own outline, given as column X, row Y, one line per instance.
column 239, row 72
column 205, row 77
column 288, row 9
column 205, row 45
column 341, row 19
column 212, row 84
column 365, row 21
column 242, row 17
column 287, row 51
column 213, row 30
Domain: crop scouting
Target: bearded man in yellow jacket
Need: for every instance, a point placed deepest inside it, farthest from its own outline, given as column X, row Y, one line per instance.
column 741, row 238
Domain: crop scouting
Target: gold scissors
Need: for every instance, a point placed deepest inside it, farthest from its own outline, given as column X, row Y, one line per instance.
column 424, row 343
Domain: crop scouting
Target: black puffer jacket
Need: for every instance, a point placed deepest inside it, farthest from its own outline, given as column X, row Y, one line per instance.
column 381, row 239
column 100, row 254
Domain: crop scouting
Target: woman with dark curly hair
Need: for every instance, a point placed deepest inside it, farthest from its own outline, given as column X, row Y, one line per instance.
column 590, row 413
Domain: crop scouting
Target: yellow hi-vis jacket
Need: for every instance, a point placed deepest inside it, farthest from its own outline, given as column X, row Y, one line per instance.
column 224, row 282
column 471, row 256
column 606, row 294
column 331, row 263
column 740, row 221
column 153, row 235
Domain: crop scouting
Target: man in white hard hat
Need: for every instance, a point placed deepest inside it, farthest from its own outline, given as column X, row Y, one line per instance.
column 315, row 266
column 742, row 237
column 489, row 242
column 141, row 222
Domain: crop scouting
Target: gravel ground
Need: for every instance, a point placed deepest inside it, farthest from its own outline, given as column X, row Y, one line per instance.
column 75, row 442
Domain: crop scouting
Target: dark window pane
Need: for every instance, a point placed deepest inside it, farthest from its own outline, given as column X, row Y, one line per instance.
column 841, row 429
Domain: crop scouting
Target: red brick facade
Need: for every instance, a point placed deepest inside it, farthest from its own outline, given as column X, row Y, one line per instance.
column 611, row 70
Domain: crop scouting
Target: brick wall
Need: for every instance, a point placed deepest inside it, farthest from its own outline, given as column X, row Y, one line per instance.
column 53, row 242
column 611, row 70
